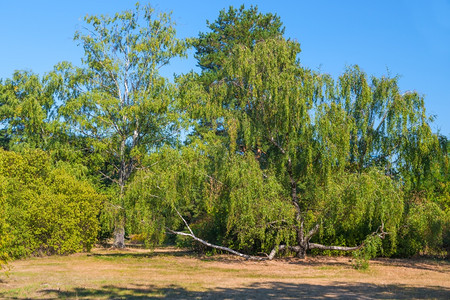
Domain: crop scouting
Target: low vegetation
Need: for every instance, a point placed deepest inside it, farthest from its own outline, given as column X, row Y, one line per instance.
column 46, row 210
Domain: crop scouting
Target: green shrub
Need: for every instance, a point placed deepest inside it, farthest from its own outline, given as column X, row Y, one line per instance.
column 47, row 210
column 4, row 230
column 361, row 257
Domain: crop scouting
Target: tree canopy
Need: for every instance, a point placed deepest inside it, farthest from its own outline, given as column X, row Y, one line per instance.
column 234, row 27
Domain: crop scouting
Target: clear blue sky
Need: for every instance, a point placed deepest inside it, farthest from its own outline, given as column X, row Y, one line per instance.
column 410, row 38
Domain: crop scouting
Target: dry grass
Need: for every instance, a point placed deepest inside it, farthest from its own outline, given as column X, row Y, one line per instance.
column 170, row 273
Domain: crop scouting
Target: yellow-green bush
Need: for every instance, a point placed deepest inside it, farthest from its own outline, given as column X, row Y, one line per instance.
column 46, row 210
column 4, row 232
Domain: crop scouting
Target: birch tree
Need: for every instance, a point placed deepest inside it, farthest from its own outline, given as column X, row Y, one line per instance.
column 118, row 100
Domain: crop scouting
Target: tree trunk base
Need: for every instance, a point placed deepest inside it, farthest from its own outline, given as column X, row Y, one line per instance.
column 301, row 254
column 119, row 238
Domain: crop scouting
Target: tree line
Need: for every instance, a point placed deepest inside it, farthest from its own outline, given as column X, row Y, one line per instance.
column 255, row 152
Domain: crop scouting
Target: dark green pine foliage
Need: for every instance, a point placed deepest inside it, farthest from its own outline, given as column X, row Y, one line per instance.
column 234, row 27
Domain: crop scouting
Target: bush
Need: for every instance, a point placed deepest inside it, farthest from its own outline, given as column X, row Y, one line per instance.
column 4, row 230
column 47, row 210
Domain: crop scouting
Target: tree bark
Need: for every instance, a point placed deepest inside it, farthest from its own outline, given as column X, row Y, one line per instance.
column 119, row 236
column 339, row 248
column 246, row 256
column 119, row 230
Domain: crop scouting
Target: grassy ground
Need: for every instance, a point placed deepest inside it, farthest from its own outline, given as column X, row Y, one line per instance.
column 169, row 273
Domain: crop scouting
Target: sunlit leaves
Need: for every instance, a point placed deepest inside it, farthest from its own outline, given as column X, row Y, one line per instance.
column 27, row 110
column 45, row 209
column 358, row 204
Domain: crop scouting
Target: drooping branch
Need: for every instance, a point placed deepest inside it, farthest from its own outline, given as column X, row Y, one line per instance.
column 185, row 223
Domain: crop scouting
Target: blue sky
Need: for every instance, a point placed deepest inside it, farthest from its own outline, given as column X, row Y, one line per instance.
column 403, row 37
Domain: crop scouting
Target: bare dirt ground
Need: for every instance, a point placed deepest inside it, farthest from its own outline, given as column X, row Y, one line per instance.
column 168, row 273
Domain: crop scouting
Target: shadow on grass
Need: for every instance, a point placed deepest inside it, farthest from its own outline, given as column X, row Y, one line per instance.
column 437, row 265
column 320, row 261
column 132, row 254
column 441, row 265
column 268, row 290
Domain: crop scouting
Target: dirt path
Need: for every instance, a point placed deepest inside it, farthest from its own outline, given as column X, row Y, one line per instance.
column 173, row 274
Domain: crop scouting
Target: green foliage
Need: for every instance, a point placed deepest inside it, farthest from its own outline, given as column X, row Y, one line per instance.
column 237, row 205
column 257, row 215
column 117, row 102
column 232, row 28
column 4, row 227
column 27, row 111
column 425, row 227
column 276, row 152
column 172, row 180
column 361, row 257
column 47, row 210
column 356, row 205
column 342, row 154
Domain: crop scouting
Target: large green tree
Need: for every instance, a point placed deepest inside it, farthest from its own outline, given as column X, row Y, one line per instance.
column 289, row 118
column 27, row 111
column 30, row 120
column 311, row 135
column 117, row 100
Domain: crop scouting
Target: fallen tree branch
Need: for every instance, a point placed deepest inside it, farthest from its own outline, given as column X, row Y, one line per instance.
column 251, row 257
column 275, row 250
column 340, row 248
column 194, row 237
column 380, row 233
column 282, row 247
